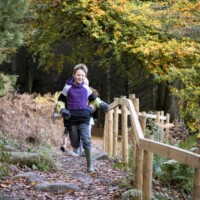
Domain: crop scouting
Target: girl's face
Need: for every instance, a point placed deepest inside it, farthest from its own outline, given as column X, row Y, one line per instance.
column 79, row 76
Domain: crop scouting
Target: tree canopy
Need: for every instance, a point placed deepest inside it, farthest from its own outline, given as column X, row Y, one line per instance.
column 160, row 37
column 146, row 37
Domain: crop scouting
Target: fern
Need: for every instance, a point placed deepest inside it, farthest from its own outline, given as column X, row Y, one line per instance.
column 170, row 171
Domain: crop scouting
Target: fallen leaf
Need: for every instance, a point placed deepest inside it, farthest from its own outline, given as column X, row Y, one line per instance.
column 5, row 185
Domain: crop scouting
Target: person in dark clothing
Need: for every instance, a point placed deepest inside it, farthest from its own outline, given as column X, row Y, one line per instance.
column 73, row 106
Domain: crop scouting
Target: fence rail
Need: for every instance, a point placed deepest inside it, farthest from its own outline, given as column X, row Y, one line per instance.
column 143, row 147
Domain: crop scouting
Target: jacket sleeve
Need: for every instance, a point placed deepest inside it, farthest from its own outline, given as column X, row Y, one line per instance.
column 61, row 103
column 94, row 100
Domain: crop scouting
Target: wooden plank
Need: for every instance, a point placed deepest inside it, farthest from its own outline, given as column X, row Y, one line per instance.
column 138, row 182
column 115, row 132
column 147, row 175
column 124, row 134
column 105, row 134
column 181, row 155
column 155, row 116
column 110, row 132
column 139, row 160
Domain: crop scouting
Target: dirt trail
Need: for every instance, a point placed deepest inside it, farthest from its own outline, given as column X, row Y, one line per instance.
column 103, row 184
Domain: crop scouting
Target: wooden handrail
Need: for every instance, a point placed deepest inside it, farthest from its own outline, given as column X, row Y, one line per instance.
column 145, row 145
column 184, row 156
column 172, row 152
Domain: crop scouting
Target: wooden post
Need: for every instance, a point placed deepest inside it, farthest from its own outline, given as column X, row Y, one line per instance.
column 124, row 133
column 147, row 175
column 136, row 105
column 161, row 127
column 158, row 120
column 115, row 130
column 110, row 132
column 132, row 97
column 105, row 134
column 138, row 170
column 147, row 172
column 196, row 188
column 157, row 117
column 143, row 121
column 167, row 129
column 162, row 114
column 167, row 118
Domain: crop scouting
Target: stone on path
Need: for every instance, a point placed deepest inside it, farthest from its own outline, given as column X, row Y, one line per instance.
column 102, row 156
column 82, row 177
column 58, row 187
column 32, row 177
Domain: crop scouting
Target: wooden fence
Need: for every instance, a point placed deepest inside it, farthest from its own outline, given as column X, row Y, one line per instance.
column 143, row 147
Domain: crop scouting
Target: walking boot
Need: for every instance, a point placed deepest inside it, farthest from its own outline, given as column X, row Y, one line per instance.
column 76, row 150
column 81, row 151
column 62, row 149
column 64, row 145
column 88, row 155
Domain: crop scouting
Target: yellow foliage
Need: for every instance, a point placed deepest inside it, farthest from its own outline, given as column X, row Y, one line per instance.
column 47, row 98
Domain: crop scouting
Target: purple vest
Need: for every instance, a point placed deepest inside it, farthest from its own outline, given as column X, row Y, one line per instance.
column 76, row 95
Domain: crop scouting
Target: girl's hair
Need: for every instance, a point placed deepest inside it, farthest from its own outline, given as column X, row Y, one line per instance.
column 94, row 91
column 82, row 67
column 86, row 81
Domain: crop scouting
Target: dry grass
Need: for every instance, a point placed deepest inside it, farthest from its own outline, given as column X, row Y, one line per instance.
column 29, row 116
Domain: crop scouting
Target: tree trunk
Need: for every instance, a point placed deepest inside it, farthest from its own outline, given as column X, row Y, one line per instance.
column 166, row 101
column 31, row 73
column 14, row 65
column 171, row 102
column 161, row 96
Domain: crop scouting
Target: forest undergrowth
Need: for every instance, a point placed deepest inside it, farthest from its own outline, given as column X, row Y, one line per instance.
column 28, row 117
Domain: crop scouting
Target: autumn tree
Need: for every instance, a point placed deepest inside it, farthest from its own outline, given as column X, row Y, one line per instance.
column 159, row 38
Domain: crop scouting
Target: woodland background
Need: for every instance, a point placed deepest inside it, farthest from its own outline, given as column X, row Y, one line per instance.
column 149, row 48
